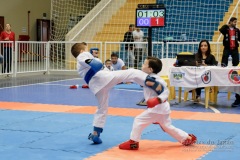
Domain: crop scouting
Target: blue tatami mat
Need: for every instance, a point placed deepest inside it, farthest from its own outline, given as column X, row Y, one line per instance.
column 64, row 135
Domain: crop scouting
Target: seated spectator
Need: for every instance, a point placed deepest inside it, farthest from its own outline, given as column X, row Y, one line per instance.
column 117, row 63
column 108, row 65
column 204, row 57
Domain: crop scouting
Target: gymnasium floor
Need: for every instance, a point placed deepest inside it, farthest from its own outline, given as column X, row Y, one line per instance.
column 42, row 119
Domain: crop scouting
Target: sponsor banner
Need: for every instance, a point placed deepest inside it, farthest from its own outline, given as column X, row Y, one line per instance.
column 204, row 76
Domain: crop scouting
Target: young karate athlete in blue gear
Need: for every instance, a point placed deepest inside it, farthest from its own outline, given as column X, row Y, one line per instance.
column 158, row 109
column 101, row 82
column 94, row 51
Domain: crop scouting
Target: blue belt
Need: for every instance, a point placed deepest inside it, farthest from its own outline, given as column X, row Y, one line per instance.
column 89, row 75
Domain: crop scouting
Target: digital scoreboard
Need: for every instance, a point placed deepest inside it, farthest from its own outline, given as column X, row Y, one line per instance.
column 152, row 17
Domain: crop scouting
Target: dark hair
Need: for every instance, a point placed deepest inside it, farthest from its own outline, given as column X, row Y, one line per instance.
column 114, row 55
column 93, row 49
column 131, row 25
column 199, row 48
column 232, row 19
column 77, row 47
column 108, row 60
column 155, row 64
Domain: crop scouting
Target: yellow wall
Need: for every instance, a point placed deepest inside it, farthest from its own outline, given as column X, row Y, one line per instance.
column 15, row 12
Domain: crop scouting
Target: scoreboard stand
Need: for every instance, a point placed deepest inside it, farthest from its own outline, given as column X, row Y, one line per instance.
column 150, row 16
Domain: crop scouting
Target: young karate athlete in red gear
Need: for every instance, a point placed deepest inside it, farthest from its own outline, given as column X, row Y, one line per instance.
column 101, row 82
column 158, row 110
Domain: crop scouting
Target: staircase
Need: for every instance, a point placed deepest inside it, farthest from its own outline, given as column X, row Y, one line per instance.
column 114, row 30
column 225, row 19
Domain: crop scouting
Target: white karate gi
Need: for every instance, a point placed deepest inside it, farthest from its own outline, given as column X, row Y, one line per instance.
column 118, row 65
column 101, row 83
column 159, row 113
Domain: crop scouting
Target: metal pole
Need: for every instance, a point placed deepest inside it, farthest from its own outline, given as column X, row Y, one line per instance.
column 150, row 41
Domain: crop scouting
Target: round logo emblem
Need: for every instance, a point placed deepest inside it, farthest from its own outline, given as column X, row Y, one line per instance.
column 234, row 76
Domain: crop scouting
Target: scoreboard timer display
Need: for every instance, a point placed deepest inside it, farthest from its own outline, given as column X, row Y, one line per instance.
column 150, row 17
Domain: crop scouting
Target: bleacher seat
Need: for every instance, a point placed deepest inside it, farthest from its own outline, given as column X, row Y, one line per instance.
column 181, row 19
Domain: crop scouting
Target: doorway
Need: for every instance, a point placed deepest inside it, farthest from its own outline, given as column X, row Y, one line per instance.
column 1, row 23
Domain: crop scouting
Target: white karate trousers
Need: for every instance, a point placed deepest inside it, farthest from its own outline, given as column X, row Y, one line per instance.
column 146, row 118
column 130, row 75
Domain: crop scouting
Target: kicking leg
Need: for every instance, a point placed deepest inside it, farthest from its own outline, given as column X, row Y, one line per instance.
column 136, row 76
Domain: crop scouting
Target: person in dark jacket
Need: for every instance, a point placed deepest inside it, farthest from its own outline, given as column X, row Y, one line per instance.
column 129, row 47
column 204, row 58
column 230, row 42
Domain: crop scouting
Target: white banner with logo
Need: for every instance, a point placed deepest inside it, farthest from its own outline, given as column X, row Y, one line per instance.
column 194, row 77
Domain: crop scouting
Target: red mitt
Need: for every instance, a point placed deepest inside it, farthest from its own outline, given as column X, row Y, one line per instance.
column 73, row 87
column 85, row 86
column 152, row 102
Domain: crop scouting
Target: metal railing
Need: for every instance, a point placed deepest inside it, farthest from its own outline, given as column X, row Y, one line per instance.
column 45, row 57
column 126, row 51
